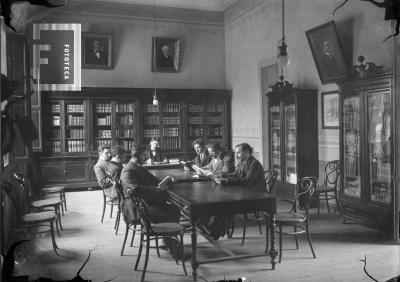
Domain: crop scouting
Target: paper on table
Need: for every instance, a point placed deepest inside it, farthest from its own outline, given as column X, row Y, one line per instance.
column 201, row 171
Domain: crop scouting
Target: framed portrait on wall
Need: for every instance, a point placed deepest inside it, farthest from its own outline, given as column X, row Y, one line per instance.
column 96, row 51
column 327, row 52
column 330, row 110
column 165, row 54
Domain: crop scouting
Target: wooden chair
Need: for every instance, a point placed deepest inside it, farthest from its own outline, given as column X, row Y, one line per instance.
column 107, row 201
column 155, row 231
column 53, row 203
column 270, row 179
column 304, row 190
column 28, row 220
column 48, row 191
column 328, row 191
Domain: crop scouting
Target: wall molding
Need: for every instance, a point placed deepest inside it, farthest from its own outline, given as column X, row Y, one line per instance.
column 239, row 9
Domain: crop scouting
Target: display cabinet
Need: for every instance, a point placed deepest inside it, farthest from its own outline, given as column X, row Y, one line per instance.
column 76, row 123
column 366, row 151
column 293, row 136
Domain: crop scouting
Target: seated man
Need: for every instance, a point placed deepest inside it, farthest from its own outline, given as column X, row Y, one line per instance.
column 108, row 168
column 249, row 171
column 137, row 180
column 221, row 161
column 202, row 158
column 156, row 155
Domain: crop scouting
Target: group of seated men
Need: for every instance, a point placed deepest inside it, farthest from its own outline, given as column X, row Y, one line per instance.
column 136, row 179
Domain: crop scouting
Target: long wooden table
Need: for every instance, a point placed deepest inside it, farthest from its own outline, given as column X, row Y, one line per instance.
column 203, row 199
column 180, row 175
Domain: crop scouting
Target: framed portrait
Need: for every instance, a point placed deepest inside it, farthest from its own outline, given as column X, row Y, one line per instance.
column 96, row 51
column 330, row 110
column 327, row 52
column 165, row 54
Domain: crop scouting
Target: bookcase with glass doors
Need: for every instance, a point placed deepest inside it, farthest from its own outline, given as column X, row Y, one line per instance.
column 293, row 136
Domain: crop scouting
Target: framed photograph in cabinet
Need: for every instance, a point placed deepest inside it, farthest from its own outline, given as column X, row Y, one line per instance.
column 165, row 55
column 330, row 110
column 327, row 52
column 96, row 51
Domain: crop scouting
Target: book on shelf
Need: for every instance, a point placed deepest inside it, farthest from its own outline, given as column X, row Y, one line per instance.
column 103, row 108
column 74, row 108
column 192, row 108
column 171, row 108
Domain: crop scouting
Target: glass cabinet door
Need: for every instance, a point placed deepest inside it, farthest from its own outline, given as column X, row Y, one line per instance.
column 101, row 124
column 290, row 138
column 171, row 130
column 378, row 136
column 52, row 127
column 75, row 127
column 195, row 114
column 351, row 141
column 275, row 120
column 125, row 124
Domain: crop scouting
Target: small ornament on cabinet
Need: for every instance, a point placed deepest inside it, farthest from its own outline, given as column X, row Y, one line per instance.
column 363, row 71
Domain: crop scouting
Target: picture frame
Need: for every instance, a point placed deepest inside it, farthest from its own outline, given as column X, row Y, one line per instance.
column 327, row 52
column 330, row 110
column 165, row 54
column 96, row 50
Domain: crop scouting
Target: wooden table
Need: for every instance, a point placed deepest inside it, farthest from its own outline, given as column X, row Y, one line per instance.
column 203, row 199
column 180, row 175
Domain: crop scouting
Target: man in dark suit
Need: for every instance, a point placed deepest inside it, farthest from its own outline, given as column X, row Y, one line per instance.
column 96, row 54
column 137, row 180
column 202, row 158
column 156, row 154
column 222, row 161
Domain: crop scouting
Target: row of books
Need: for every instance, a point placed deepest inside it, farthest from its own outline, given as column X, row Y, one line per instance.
column 148, row 133
column 54, row 146
column 196, row 120
column 352, row 188
column 215, row 130
column 381, row 171
column 276, row 161
column 124, row 133
column 351, row 110
column 55, row 108
column 125, row 108
column 77, row 133
column 291, row 123
column 171, row 108
column 126, row 144
column 196, row 131
column 74, row 108
column 219, row 108
column 195, row 108
column 125, row 120
column 150, row 108
column 381, row 192
column 103, row 108
column 276, row 123
column 171, row 120
column 351, row 164
column 103, row 120
column 74, row 120
column 351, row 120
column 104, row 133
column 76, row 146
column 169, row 144
column 152, row 120
column 101, row 142
column 55, row 120
column 171, row 131
column 214, row 120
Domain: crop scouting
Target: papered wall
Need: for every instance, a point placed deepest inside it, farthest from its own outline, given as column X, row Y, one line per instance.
column 252, row 31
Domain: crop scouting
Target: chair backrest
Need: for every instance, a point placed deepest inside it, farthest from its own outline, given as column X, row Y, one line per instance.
column 143, row 212
column 332, row 172
column 304, row 191
column 270, row 179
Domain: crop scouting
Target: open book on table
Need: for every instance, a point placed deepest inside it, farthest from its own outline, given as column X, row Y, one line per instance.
column 201, row 171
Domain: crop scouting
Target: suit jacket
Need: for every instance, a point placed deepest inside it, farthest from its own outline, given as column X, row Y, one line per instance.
column 106, row 172
column 91, row 58
column 202, row 162
column 250, row 173
column 159, row 157
column 144, row 184
column 223, row 164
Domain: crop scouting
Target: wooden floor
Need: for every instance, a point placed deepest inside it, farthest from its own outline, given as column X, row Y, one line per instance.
column 339, row 249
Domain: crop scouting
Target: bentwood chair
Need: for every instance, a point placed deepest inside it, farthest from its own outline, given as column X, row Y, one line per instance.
column 29, row 221
column 155, row 231
column 328, row 191
column 107, row 201
column 270, row 179
column 52, row 203
column 298, row 217
column 53, row 190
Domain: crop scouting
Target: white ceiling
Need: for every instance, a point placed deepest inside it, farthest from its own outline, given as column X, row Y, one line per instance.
column 206, row 5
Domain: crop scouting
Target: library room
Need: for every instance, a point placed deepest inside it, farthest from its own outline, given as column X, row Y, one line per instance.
column 214, row 140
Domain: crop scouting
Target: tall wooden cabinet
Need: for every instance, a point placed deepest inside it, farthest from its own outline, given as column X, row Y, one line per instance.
column 76, row 123
column 367, row 151
column 293, row 135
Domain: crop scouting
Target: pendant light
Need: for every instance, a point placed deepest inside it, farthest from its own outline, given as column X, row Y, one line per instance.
column 155, row 99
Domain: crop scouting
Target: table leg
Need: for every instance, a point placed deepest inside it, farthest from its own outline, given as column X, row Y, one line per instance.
column 194, row 248
column 273, row 253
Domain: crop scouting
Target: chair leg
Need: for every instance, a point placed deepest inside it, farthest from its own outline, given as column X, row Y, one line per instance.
column 266, row 234
column 158, row 251
column 133, row 234
column 104, row 208
column 327, row 202
column 111, row 212
column 319, row 202
column 256, row 215
column 295, row 237
column 280, row 243
column 337, row 203
column 53, row 240
column 65, row 201
column 126, row 236
column 147, row 256
column 182, row 253
column 56, row 220
column 309, row 240
column 59, row 218
column 62, row 204
column 119, row 219
column 244, row 228
column 230, row 233
column 140, row 251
